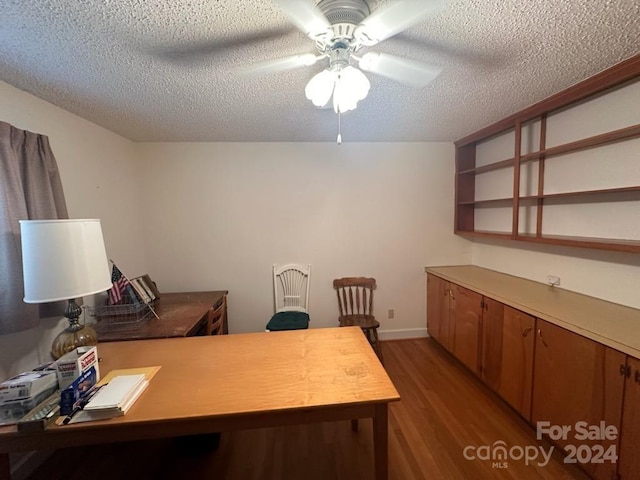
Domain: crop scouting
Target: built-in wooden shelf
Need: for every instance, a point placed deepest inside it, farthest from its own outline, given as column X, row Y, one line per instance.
column 614, row 244
column 488, row 168
column 557, row 196
column 627, row 133
column 466, row 204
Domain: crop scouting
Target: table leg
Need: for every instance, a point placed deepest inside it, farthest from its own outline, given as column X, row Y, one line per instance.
column 381, row 441
column 5, row 467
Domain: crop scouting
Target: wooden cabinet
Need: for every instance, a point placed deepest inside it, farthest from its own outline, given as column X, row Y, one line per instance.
column 549, row 374
column 466, row 319
column 438, row 295
column 508, row 338
column 577, row 380
column 545, row 174
column 454, row 319
column 629, row 462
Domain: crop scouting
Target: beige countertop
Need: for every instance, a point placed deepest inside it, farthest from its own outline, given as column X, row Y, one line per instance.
column 611, row 324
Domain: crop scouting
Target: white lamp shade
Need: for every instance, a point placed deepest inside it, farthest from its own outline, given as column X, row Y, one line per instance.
column 63, row 259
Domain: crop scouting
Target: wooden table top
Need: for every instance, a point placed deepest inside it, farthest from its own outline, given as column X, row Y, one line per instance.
column 611, row 324
column 254, row 372
column 233, row 377
column 181, row 314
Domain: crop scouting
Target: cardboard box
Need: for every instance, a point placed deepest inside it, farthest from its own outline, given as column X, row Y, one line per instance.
column 27, row 385
column 72, row 395
column 73, row 364
column 13, row 410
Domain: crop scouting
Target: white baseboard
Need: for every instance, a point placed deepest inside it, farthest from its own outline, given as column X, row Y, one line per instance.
column 402, row 333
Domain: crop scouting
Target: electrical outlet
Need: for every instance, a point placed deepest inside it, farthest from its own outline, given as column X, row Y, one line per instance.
column 391, row 313
column 553, row 280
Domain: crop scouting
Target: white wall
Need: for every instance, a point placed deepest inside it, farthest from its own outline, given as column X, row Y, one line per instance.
column 608, row 275
column 219, row 215
column 100, row 180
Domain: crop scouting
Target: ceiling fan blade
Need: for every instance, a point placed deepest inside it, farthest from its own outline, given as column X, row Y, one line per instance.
column 307, row 17
column 280, row 64
column 205, row 49
column 416, row 74
column 393, row 18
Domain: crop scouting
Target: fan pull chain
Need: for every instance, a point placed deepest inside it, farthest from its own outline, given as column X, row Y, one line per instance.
column 339, row 139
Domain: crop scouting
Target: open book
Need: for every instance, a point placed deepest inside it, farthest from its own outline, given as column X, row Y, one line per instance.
column 113, row 399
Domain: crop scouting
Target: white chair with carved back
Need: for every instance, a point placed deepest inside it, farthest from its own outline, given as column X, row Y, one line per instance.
column 291, row 297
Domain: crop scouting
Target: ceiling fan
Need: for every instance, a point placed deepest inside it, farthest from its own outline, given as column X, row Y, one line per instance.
column 341, row 29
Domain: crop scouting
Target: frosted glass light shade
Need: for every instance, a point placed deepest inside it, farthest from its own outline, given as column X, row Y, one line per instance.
column 351, row 87
column 320, row 88
column 63, row 259
column 348, row 86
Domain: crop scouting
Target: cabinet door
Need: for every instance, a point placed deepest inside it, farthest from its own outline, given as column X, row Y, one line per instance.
column 629, row 461
column 438, row 310
column 465, row 308
column 577, row 380
column 492, row 342
column 508, row 338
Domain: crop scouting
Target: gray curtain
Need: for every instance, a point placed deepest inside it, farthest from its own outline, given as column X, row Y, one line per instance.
column 30, row 189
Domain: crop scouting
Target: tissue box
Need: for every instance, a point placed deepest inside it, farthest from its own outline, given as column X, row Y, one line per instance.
column 73, row 364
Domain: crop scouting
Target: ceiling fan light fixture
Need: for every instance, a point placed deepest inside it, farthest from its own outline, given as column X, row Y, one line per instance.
column 347, row 85
column 320, row 87
column 351, row 86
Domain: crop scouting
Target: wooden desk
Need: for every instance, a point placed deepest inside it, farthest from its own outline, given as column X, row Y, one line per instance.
column 231, row 382
column 181, row 315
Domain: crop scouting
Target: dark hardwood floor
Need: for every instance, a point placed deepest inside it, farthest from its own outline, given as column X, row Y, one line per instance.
column 443, row 410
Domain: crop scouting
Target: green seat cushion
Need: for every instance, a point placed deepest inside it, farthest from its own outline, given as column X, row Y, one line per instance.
column 288, row 321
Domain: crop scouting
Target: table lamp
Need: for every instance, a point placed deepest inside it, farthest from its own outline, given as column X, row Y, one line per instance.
column 64, row 260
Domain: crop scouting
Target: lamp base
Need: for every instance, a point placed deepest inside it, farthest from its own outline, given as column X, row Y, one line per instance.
column 75, row 335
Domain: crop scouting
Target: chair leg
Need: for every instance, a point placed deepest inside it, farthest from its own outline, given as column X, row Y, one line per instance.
column 377, row 345
column 372, row 337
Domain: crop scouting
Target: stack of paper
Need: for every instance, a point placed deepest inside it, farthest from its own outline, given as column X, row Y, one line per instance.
column 114, row 398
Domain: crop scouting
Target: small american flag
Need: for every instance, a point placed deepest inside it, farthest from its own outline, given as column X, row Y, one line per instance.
column 120, row 284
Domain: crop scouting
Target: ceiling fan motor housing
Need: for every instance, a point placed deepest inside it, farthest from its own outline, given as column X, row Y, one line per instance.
column 344, row 11
column 344, row 16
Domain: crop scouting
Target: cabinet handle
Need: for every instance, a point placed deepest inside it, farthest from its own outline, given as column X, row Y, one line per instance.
column 526, row 331
column 625, row 370
column 542, row 339
column 637, row 376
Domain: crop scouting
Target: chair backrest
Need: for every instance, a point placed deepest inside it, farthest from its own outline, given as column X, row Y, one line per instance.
column 355, row 295
column 215, row 318
column 291, row 288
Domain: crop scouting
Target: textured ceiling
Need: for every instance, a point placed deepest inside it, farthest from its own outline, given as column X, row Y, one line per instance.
column 164, row 70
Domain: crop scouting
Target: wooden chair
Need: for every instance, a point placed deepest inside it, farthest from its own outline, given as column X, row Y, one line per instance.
column 355, row 301
column 290, row 297
column 216, row 318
